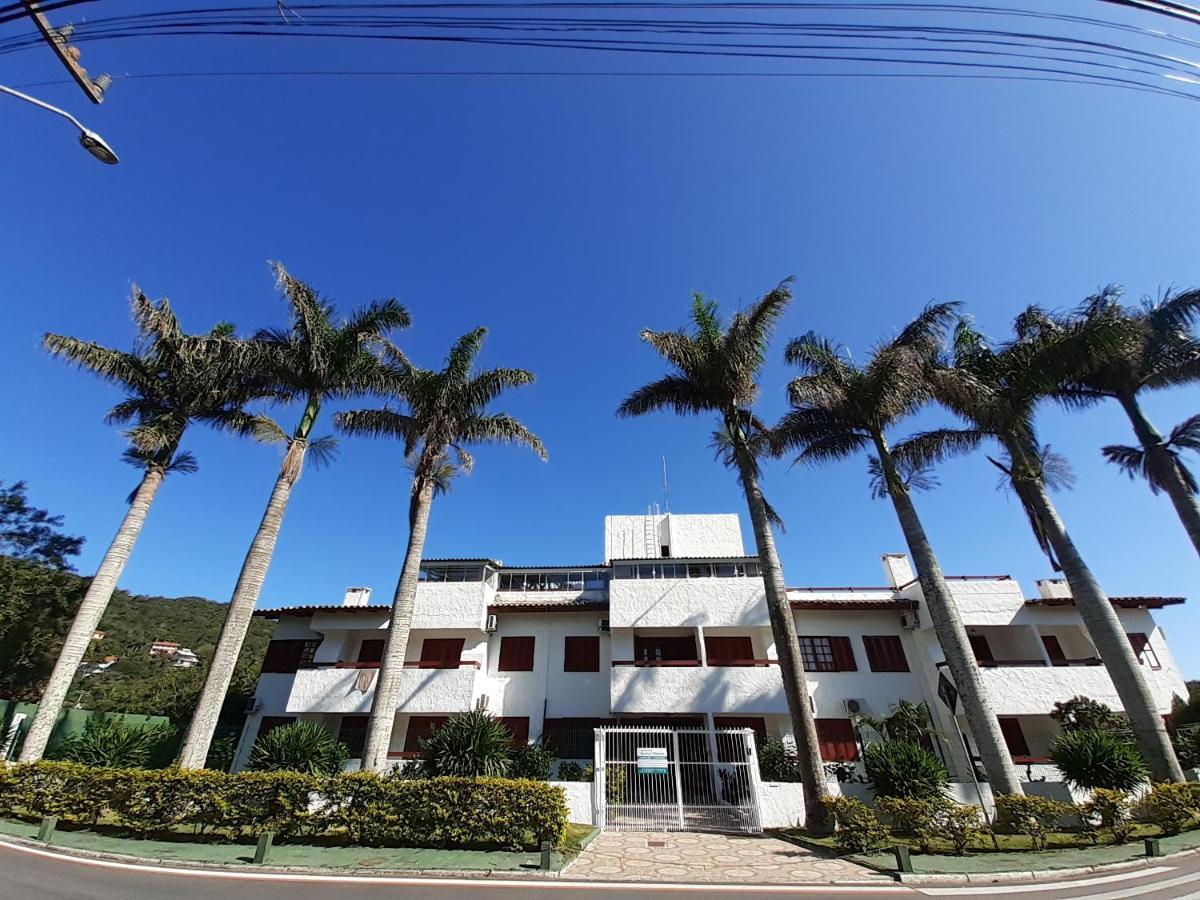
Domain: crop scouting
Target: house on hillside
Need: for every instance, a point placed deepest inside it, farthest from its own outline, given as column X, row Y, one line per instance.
column 181, row 657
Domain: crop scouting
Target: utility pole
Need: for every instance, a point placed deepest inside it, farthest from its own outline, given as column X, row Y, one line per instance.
column 57, row 39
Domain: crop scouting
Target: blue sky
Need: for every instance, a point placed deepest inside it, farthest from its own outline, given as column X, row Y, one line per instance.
column 567, row 213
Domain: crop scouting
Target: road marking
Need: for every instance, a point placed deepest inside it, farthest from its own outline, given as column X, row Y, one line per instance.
column 1144, row 889
column 550, row 884
column 1060, row 886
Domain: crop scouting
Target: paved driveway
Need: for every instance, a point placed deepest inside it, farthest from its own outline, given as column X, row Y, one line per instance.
column 658, row 856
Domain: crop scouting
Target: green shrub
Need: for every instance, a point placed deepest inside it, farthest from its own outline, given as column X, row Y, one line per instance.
column 1085, row 714
column 1187, row 747
column 1098, row 759
column 532, row 761
column 960, row 826
column 303, row 746
column 1034, row 817
column 221, row 753
column 572, row 771
column 470, row 745
column 912, row 818
column 858, row 829
column 110, row 743
column 778, row 761
column 1108, row 809
column 901, row 769
column 1171, row 806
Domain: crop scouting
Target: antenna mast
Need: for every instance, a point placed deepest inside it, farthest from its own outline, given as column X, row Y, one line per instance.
column 666, row 487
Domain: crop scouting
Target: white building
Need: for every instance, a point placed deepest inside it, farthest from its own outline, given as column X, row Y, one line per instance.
column 672, row 628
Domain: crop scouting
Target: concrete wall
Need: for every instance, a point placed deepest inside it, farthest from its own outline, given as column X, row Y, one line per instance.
column 750, row 691
column 780, row 804
column 672, row 602
column 625, row 537
column 578, row 794
column 421, row 690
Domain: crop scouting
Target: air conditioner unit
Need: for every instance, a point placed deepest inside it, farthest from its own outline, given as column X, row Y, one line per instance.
column 490, row 624
column 253, row 705
column 855, row 707
column 909, row 621
column 604, row 626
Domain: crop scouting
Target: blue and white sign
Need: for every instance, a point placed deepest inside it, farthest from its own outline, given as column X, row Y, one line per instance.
column 652, row 761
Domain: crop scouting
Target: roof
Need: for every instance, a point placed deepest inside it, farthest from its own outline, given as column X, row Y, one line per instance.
column 854, row 604
column 576, row 566
column 1123, row 602
column 548, row 604
column 461, row 559
column 822, row 590
column 682, row 559
column 310, row 609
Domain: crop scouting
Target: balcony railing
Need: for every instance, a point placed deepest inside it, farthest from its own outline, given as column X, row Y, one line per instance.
column 414, row 664
column 1031, row 663
column 695, row 663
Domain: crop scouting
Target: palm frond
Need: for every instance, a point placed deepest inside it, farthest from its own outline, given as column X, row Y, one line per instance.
column 1176, row 311
column 323, row 451
column 376, row 319
column 1186, row 434
column 675, row 392
column 925, row 332
column 1133, row 461
column 915, row 476
column 928, row 448
column 833, row 447
column 815, row 354
column 377, row 423
column 500, row 428
column 461, row 358
column 114, row 366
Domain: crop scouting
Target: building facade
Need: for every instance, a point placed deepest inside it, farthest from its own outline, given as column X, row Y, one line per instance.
column 672, row 629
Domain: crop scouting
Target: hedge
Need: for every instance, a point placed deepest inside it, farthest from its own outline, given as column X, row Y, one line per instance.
column 359, row 807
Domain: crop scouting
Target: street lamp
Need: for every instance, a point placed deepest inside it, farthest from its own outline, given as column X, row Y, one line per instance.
column 92, row 142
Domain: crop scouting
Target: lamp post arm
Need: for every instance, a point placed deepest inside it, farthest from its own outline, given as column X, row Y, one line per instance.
column 36, row 102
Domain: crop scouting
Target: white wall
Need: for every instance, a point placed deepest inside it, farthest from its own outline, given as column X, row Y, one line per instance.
column 625, row 537
column 578, row 794
column 674, row 602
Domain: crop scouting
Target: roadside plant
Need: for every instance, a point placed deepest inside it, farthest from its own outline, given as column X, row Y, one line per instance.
column 1034, row 817
column 109, row 743
column 858, row 828
column 302, row 746
column 569, row 770
column 777, row 761
column 1098, row 759
column 901, row 769
column 1171, row 806
column 221, row 753
column 1085, row 714
column 1109, row 810
column 905, row 721
column 913, row 818
column 473, row 744
column 960, row 826
column 532, row 761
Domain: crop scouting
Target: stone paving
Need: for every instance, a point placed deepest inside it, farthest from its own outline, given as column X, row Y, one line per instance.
column 691, row 856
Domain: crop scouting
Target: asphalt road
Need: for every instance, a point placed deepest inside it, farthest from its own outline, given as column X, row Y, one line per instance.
column 34, row 873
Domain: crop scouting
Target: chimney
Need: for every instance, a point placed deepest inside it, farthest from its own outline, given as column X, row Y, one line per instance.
column 1051, row 588
column 357, row 596
column 897, row 569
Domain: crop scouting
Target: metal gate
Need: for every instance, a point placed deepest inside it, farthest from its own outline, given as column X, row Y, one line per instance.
column 665, row 779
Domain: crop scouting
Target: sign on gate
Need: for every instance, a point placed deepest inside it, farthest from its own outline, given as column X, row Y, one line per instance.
column 652, row 761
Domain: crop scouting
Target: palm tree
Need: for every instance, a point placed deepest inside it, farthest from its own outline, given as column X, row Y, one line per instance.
column 1157, row 350
column 840, row 409
column 314, row 360
column 447, row 411
column 996, row 391
column 173, row 380
column 714, row 370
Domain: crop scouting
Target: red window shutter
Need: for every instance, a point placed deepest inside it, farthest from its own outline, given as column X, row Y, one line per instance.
column 662, row 647
column 441, row 653
column 371, row 650
column 581, row 654
column 1014, row 737
column 519, row 726
column 885, row 653
column 1054, row 650
column 981, row 648
column 843, row 655
column 723, row 650
column 353, row 733
column 419, row 728
column 288, row 656
column 516, row 654
column 836, row 739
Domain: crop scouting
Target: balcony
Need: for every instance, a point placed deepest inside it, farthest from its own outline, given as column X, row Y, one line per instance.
column 1020, row 688
column 751, row 687
column 349, row 687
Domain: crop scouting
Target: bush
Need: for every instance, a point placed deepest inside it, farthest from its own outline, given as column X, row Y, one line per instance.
column 960, row 826
column 1098, row 759
column 925, row 820
column 486, row 813
column 858, row 830
column 1034, row 817
column 1187, row 746
column 614, row 781
column 778, row 761
column 532, row 761
column 303, row 746
column 901, row 769
column 469, row 745
column 1110, row 810
column 1085, row 714
column 572, row 771
column 221, row 753
column 1171, row 806
column 110, row 743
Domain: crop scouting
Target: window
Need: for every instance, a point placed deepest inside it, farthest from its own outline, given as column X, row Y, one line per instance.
column 659, row 648
column 573, row 738
column 981, row 648
column 729, row 747
column 1054, row 650
column 837, row 740
column 370, row 650
column 595, row 580
column 419, row 728
column 290, row 655
column 519, row 726
column 269, row 723
column 1143, row 651
column 1014, row 737
column 885, row 653
column 589, row 580
column 827, row 654
column 624, row 572
column 441, row 653
column 439, row 572
column 516, row 654
column 581, row 654
column 728, row 651
column 699, row 570
column 353, row 733
column 664, row 550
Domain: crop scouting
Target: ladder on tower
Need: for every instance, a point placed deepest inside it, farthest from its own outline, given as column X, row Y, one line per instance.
column 650, row 533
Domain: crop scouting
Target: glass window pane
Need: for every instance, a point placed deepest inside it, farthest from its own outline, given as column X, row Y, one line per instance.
column 645, row 571
column 726, row 570
column 594, row 581
column 575, row 581
column 699, row 570
column 556, row 581
column 752, row 570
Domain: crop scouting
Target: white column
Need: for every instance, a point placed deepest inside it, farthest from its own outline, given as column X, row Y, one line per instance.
column 701, row 651
column 599, row 795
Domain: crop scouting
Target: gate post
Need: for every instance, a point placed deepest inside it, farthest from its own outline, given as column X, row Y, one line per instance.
column 599, row 792
column 678, row 777
column 755, row 777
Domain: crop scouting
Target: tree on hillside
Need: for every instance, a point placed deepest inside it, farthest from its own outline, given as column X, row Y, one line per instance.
column 316, row 359
column 714, row 368
column 36, row 604
column 29, row 533
column 447, row 411
column 172, row 380
column 840, row 409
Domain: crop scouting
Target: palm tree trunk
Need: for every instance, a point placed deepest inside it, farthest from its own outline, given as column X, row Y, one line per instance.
column 203, row 725
column 951, row 635
column 1100, row 619
column 87, row 619
column 1166, row 469
column 791, row 665
column 387, row 685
